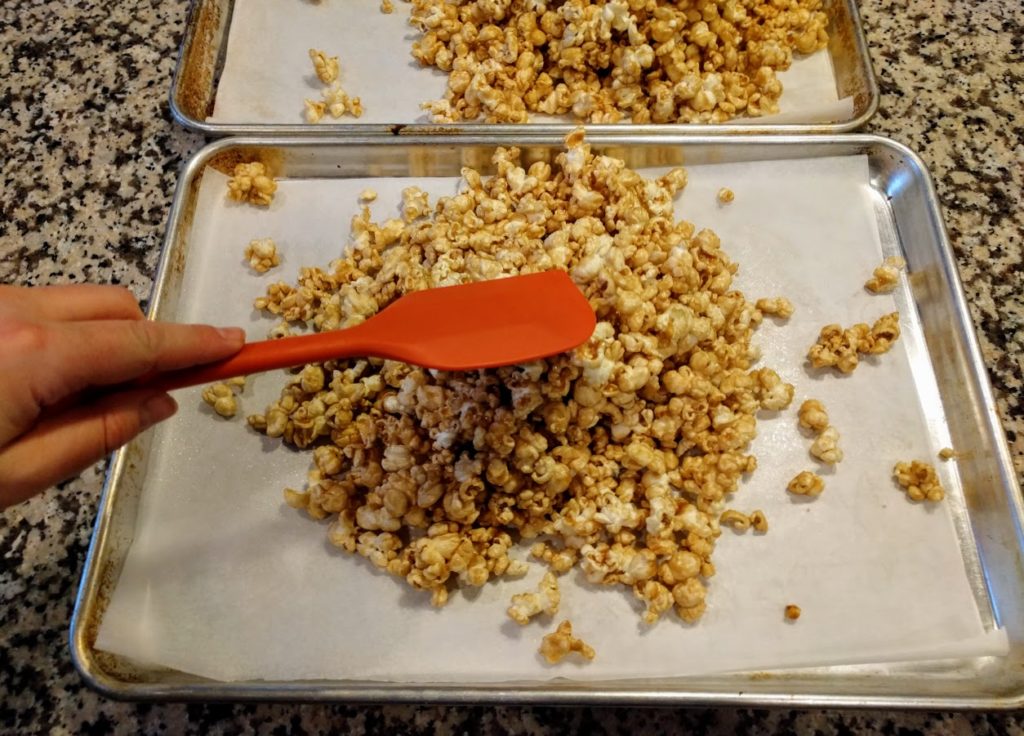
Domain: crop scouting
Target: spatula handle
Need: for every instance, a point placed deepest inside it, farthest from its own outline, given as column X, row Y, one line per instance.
column 261, row 356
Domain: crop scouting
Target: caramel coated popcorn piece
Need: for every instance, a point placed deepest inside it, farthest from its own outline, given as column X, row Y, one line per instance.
column 919, row 480
column 557, row 645
column 812, row 415
column 806, row 483
column 826, row 446
column 759, row 521
column 253, row 184
column 326, row 67
column 725, row 196
column 527, row 605
column 221, row 397
column 737, row 520
column 792, row 612
column 386, row 7
column 840, row 348
column 262, row 255
column 778, row 306
column 367, row 195
column 947, row 453
column 886, row 277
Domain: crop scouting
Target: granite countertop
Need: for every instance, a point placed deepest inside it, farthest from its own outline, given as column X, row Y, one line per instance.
column 89, row 163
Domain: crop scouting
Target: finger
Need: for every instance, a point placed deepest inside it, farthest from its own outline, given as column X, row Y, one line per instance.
column 73, row 302
column 64, row 445
column 83, row 354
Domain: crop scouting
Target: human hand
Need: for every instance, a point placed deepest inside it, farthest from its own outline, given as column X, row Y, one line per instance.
column 57, row 343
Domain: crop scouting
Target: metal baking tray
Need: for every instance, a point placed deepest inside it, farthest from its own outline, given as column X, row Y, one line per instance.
column 204, row 48
column 909, row 221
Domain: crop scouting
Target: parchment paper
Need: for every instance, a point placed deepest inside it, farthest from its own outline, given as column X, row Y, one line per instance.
column 224, row 580
column 267, row 73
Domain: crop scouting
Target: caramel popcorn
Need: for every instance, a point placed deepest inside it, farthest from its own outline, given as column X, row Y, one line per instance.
column 386, row 7
column 617, row 457
column 737, row 520
column 262, row 255
column 778, row 306
column 806, row 483
column 759, row 521
column 315, row 111
column 557, row 645
column 326, row 67
column 919, row 480
column 826, row 446
column 947, row 453
column 338, row 103
column 252, row 183
column 886, row 277
column 725, row 196
column 839, row 348
column 221, row 397
column 656, row 62
column 812, row 415
column 527, row 605
column 792, row 612
column 367, row 195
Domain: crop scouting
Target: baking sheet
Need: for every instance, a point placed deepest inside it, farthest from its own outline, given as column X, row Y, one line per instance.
column 267, row 73
column 227, row 582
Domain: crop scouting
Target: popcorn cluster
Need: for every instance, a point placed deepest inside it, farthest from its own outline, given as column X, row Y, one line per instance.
column 334, row 101
column 919, row 480
column 840, row 349
column 252, row 183
column 885, row 278
column 262, row 255
column 648, row 61
column 616, row 457
column 559, row 644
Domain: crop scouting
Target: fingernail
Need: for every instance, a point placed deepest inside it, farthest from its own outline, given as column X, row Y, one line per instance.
column 157, row 408
column 232, row 334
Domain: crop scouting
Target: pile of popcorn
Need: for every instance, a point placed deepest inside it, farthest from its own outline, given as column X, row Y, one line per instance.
column 617, row 457
column 647, row 61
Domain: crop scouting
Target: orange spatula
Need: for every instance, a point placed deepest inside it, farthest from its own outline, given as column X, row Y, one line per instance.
column 456, row 328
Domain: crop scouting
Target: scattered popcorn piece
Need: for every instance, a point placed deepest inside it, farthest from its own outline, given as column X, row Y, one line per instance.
column 947, row 453
column 262, row 255
column 812, row 415
column 326, row 67
column 557, row 645
column 806, row 483
column 839, row 348
column 778, row 306
column 919, row 480
column 221, row 397
column 338, row 102
column 725, row 196
column 792, row 612
column 737, row 520
column 252, row 183
column 367, row 195
column 238, row 382
column 527, row 605
column 826, row 446
column 759, row 521
column 887, row 276
column 386, row 7
column 315, row 111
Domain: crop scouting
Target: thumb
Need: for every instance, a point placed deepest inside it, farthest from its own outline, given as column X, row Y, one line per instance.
column 61, row 446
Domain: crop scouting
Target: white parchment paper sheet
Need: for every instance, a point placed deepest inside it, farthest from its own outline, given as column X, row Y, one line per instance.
column 224, row 580
column 267, row 72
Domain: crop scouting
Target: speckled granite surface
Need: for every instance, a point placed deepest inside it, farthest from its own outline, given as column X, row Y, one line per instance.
column 88, row 165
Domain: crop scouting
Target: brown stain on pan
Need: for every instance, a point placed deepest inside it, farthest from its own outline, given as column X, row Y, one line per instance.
column 199, row 63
